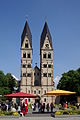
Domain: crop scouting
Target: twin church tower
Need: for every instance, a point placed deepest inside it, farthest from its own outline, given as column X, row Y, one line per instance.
column 37, row 80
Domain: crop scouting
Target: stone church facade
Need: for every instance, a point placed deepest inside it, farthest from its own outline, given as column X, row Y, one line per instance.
column 37, row 80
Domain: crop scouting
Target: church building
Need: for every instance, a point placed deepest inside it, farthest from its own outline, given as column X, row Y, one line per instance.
column 37, row 80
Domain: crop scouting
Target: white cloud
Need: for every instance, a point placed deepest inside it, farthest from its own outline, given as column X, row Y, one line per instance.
column 15, row 77
column 56, row 80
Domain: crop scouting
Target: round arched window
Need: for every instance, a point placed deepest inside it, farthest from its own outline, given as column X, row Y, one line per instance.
column 49, row 55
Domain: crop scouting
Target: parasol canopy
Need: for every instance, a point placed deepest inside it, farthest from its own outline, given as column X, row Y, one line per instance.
column 59, row 92
column 21, row 95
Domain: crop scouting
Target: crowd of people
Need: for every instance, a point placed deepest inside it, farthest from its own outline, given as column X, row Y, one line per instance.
column 5, row 106
column 35, row 107
column 42, row 107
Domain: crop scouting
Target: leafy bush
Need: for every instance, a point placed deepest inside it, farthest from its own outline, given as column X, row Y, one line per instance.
column 15, row 113
column 73, row 107
column 74, row 112
column 67, row 112
column 78, row 112
column 58, row 113
column 3, row 113
column 7, row 113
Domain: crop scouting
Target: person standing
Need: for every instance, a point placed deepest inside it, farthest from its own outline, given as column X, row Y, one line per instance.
column 47, row 107
column 51, row 106
column 19, row 109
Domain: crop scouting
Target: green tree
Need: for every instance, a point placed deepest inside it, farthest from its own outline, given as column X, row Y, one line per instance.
column 7, row 84
column 10, row 81
column 70, row 81
column 2, row 78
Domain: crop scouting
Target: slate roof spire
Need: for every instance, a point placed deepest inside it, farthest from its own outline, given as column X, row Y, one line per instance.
column 26, row 32
column 45, row 33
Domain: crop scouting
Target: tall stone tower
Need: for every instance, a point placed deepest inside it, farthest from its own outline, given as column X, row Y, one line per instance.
column 37, row 80
column 46, row 62
column 26, row 60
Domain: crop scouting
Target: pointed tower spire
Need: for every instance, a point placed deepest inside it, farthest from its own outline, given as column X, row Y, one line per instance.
column 45, row 33
column 26, row 32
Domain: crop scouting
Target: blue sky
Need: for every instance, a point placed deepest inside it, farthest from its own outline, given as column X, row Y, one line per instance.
column 63, row 18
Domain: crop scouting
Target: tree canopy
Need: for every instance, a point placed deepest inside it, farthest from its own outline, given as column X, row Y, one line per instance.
column 70, row 81
column 7, row 83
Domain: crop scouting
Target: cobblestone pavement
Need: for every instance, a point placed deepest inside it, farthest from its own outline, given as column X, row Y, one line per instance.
column 41, row 118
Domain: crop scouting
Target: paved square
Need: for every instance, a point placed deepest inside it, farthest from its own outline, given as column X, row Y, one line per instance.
column 41, row 118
